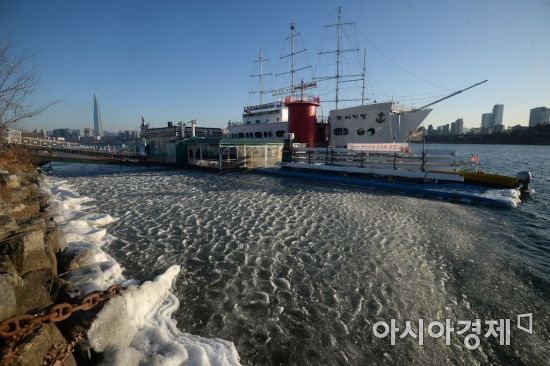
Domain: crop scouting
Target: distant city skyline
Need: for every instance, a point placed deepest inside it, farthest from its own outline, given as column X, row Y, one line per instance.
column 179, row 61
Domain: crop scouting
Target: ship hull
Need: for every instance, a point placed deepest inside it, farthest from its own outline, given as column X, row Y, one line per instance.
column 374, row 123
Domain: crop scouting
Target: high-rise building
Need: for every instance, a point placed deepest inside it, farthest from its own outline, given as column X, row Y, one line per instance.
column 98, row 123
column 539, row 116
column 66, row 133
column 445, row 129
column 486, row 119
column 457, row 127
column 498, row 111
column 430, row 131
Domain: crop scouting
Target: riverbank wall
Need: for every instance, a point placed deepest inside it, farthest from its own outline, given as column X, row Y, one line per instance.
column 30, row 245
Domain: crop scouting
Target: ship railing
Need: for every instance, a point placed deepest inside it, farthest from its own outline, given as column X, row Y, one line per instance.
column 364, row 159
column 303, row 98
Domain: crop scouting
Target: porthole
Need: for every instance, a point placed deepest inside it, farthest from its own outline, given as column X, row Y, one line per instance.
column 241, row 135
column 341, row 131
column 258, row 134
column 370, row 131
column 360, row 131
column 280, row 133
column 270, row 134
column 265, row 133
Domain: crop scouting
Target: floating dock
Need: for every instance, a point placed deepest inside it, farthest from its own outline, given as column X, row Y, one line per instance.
column 448, row 191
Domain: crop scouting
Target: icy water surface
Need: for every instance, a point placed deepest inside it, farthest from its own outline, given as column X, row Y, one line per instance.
column 295, row 272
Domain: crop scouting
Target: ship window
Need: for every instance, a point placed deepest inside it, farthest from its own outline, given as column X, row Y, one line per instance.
column 257, row 121
column 341, row 131
column 265, row 133
column 258, row 134
column 277, row 119
column 241, row 135
column 266, row 120
column 247, row 135
column 370, row 131
column 280, row 133
column 360, row 131
column 270, row 134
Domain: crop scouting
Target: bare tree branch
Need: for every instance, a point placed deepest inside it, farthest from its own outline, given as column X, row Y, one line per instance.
column 17, row 82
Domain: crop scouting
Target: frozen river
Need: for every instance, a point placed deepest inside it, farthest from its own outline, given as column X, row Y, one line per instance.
column 294, row 272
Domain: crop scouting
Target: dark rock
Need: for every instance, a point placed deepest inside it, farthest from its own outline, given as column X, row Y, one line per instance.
column 6, row 265
column 38, row 284
column 12, row 182
column 8, row 226
column 43, row 200
column 24, row 193
column 75, row 255
column 37, row 345
column 27, row 252
column 35, row 223
column 26, row 210
column 8, row 306
column 55, row 239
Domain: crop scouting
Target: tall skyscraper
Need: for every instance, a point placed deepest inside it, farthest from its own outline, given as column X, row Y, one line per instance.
column 486, row 120
column 98, row 123
column 539, row 116
column 457, row 127
column 498, row 111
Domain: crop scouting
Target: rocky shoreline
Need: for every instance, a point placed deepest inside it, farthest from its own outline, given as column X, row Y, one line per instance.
column 30, row 245
column 52, row 268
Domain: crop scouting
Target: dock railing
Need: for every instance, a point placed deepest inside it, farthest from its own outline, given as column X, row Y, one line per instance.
column 383, row 160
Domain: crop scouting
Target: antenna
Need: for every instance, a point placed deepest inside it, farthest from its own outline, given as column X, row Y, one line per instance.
column 292, row 56
column 338, row 52
column 261, row 75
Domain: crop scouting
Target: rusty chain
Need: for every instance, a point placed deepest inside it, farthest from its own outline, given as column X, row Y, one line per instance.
column 58, row 354
column 19, row 325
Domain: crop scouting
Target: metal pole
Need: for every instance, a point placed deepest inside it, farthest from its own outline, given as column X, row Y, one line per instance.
column 220, row 156
column 449, row 96
column 293, row 57
column 261, row 76
column 364, row 74
column 338, row 26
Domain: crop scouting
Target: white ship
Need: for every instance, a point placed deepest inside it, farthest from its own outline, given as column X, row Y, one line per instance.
column 367, row 123
column 261, row 121
column 374, row 123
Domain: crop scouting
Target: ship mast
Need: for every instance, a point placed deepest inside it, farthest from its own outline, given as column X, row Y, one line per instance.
column 338, row 25
column 292, row 56
column 261, row 75
column 364, row 75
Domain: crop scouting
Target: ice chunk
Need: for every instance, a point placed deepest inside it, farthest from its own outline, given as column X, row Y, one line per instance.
column 137, row 328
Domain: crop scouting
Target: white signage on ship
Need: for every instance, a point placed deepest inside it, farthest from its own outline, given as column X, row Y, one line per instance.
column 392, row 147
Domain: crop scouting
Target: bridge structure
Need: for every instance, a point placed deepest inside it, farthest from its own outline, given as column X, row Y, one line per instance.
column 47, row 150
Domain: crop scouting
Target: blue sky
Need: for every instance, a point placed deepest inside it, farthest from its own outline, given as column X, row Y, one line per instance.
column 183, row 60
